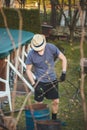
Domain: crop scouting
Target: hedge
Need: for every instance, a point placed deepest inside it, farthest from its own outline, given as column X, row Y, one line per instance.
column 30, row 18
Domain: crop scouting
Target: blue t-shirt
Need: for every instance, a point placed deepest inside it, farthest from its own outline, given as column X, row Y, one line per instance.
column 44, row 64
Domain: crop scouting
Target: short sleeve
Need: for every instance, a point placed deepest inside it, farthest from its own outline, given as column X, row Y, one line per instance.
column 54, row 50
column 29, row 58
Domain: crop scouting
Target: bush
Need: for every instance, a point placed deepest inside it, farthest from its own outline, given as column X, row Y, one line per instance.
column 31, row 19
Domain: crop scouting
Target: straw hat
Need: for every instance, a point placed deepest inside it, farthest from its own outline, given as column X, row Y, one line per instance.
column 38, row 42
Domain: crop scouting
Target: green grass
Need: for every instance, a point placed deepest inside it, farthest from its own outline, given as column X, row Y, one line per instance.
column 70, row 107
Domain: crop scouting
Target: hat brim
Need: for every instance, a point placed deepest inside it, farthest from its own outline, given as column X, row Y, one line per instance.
column 40, row 47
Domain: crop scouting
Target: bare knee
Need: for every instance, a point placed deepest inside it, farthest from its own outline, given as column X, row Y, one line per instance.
column 55, row 108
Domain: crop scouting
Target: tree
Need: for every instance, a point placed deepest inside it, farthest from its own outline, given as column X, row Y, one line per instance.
column 53, row 12
column 72, row 18
column 39, row 2
column 7, row 3
column 44, row 7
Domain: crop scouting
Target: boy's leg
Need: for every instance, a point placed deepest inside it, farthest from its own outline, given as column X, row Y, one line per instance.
column 55, row 104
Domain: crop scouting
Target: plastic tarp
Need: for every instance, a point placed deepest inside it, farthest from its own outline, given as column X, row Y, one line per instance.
column 6, row 44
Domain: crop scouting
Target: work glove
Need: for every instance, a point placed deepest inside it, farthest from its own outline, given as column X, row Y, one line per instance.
column 63, row 76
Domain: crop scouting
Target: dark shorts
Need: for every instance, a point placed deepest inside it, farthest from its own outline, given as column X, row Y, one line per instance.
column 48, row 90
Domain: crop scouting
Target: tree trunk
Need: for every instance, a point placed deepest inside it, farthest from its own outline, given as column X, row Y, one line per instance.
column 45, row 13
column 7, row 3
column 71, row 34
column 39, row 1
column 53, row 12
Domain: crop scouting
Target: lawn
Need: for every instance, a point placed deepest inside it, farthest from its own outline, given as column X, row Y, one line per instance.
column 70, row 108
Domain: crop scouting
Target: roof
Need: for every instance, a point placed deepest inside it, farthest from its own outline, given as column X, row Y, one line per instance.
column 10, row 39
